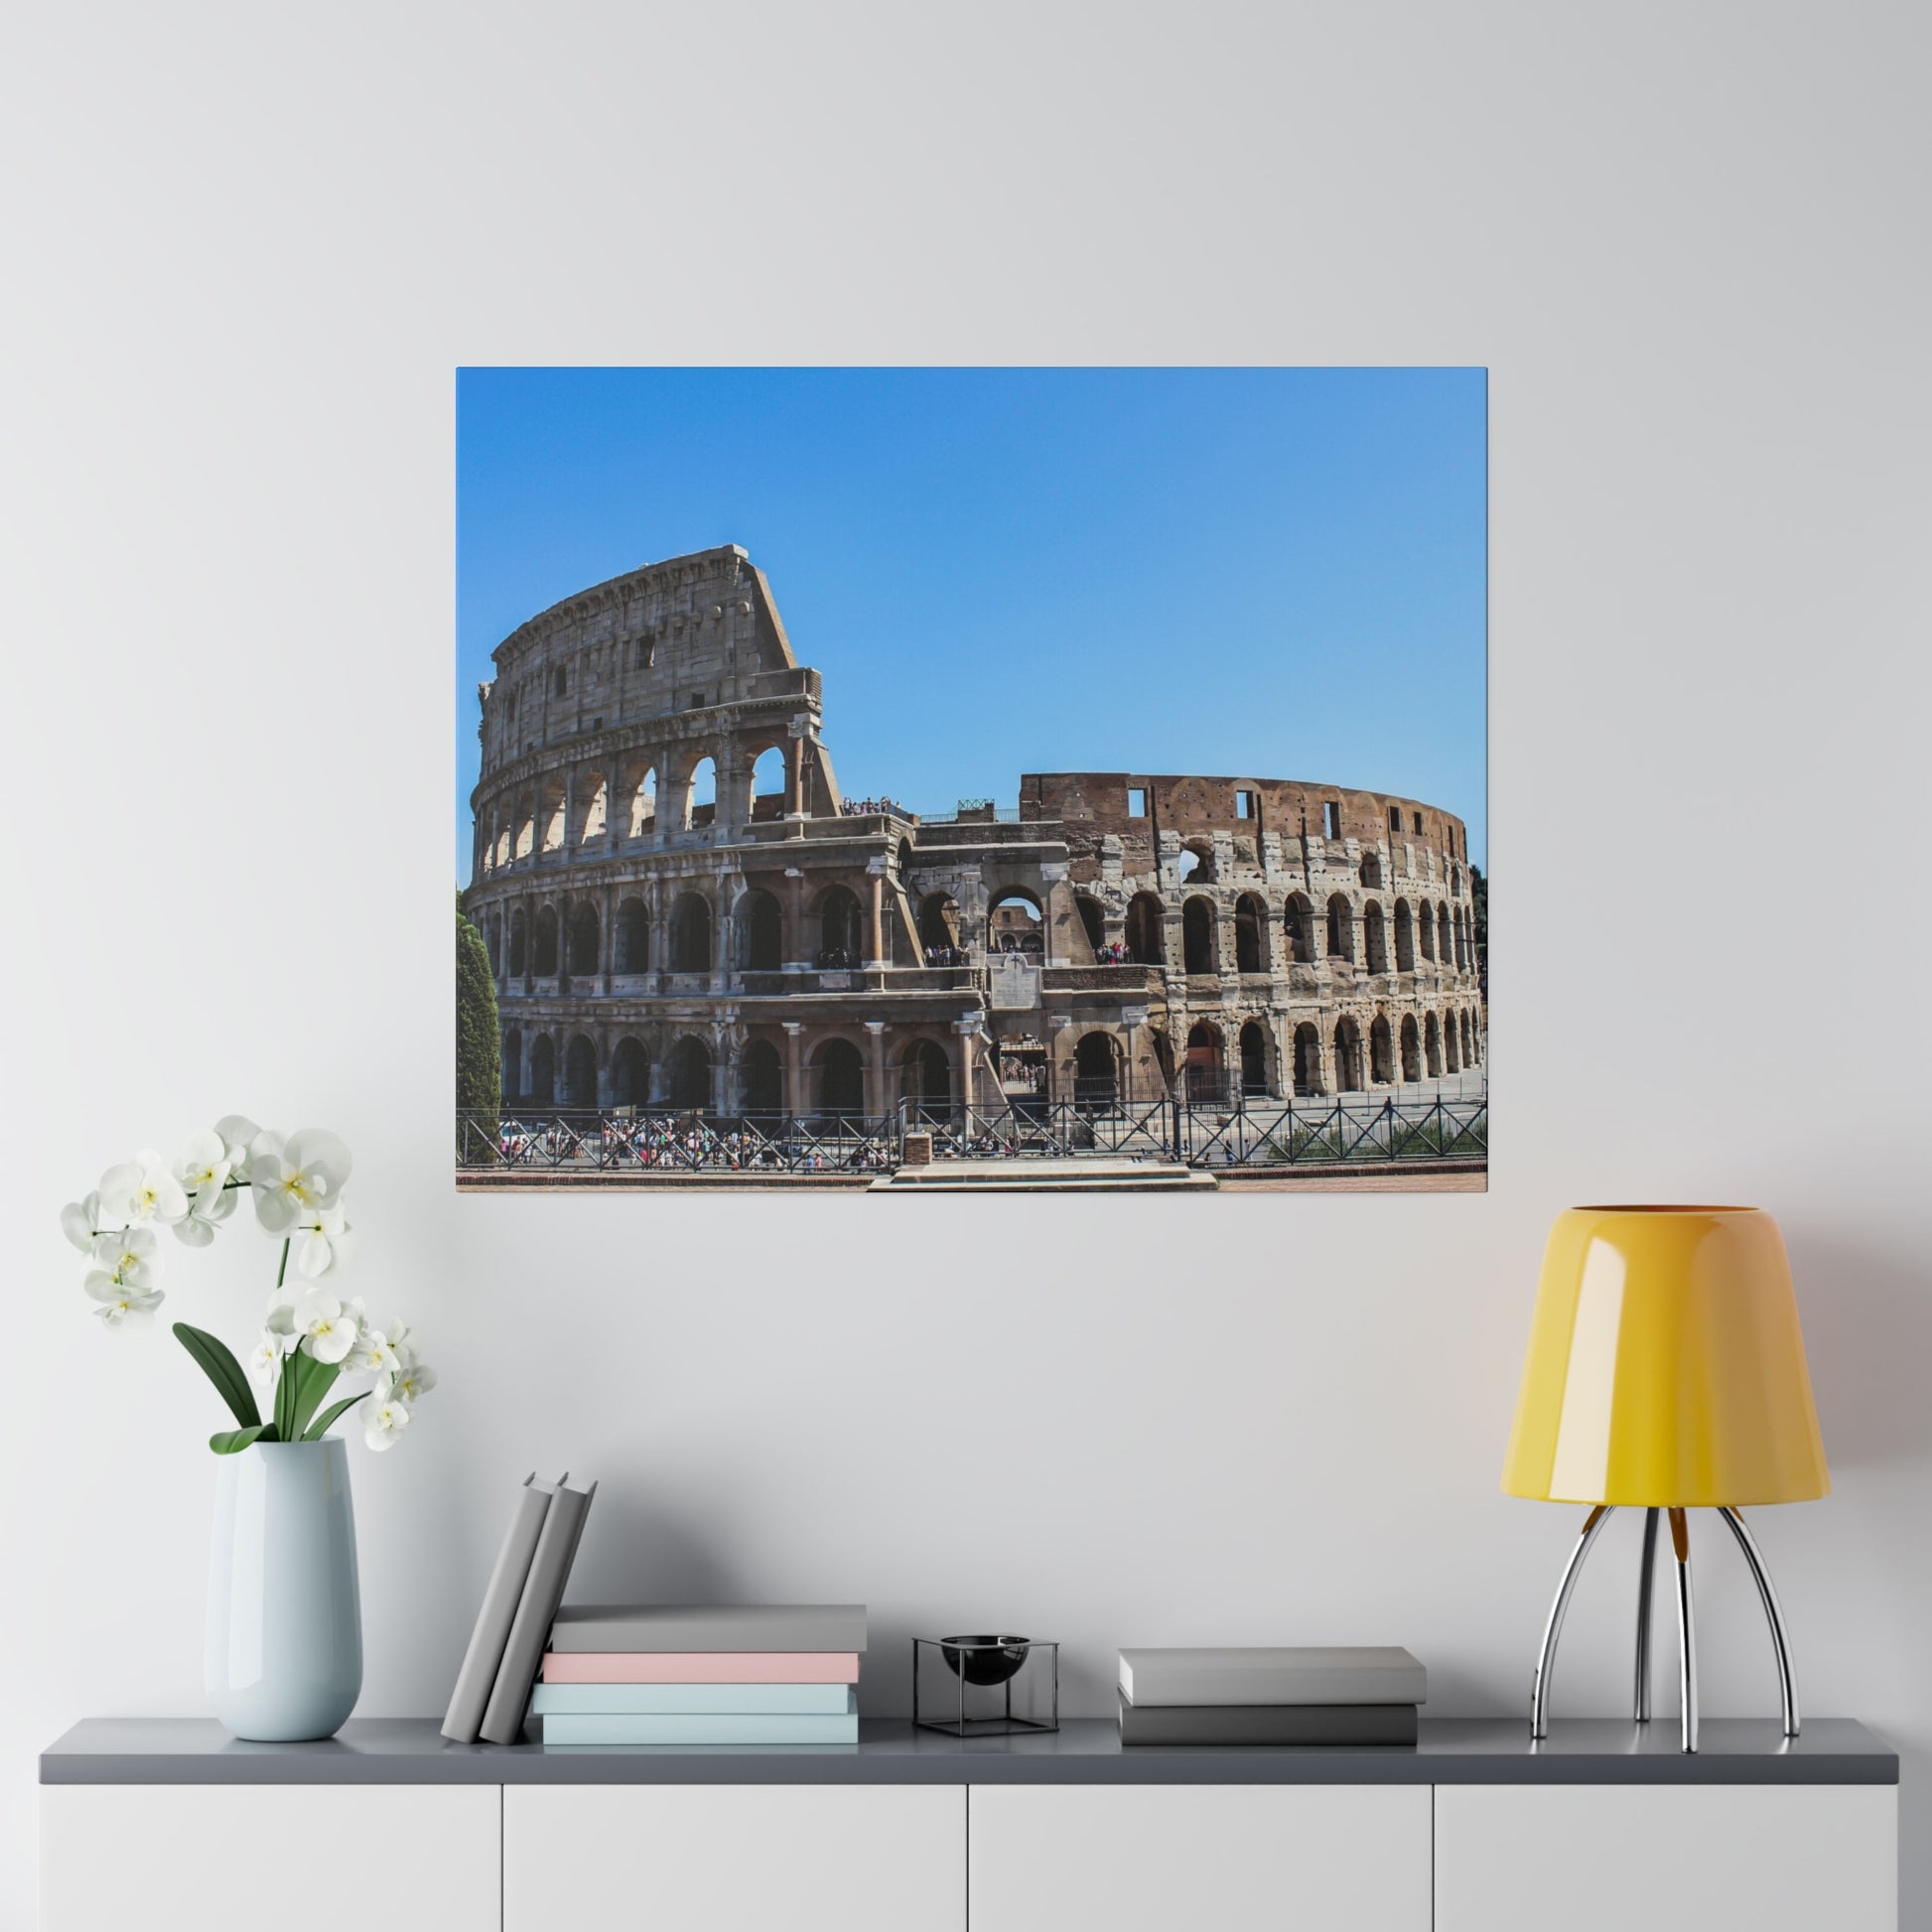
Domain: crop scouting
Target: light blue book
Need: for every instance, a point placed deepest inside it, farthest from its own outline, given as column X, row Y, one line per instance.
column 702, row 1728
column 695, row 1700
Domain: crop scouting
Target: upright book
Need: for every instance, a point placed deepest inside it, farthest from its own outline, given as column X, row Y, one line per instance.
column 536, row 1610
column 476, row 1677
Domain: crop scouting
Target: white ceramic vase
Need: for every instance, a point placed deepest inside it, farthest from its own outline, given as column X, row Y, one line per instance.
column 284, row 1657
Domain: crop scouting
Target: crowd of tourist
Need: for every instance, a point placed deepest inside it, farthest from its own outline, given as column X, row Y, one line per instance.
column 874, row 808
column 945, row 955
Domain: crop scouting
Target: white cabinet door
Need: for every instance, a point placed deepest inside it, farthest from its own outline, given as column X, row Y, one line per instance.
column 734, row 1858
column 1199, row 1858
column 1667, row 1857
column 186, row 1858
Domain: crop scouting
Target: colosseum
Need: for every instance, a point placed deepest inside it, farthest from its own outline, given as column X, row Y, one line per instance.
column 684, row 911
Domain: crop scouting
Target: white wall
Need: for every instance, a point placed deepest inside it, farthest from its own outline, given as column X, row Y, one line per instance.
column 244, row 254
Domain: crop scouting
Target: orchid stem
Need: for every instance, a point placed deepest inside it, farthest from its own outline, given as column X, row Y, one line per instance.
column 283, row 1269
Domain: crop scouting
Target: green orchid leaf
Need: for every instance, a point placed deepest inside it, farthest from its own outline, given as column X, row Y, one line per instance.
column 333, row 1414
column 231, row 1442
column 313, row 1380
column 221, row 1368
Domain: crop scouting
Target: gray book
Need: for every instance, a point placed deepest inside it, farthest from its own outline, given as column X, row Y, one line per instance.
column 1298, row 1673
column 688, row 1627
column 543, row 1590
column 1266, row 1723
column 477, row 1676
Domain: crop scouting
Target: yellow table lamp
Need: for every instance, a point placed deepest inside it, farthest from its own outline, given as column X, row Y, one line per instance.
column 1666, row 1371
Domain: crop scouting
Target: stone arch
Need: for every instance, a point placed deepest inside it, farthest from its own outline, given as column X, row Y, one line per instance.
column 586, row 932
column 1425, row 931
column 939, row 921
column 1375, row 939
column 761, row 932
column 1307, row 1058
column 1023, row 928
column 839, row 1071
column 633, row 937
column 1432, row 1045
column 1196, row 862
column 1411, row 1048
column 1451, row 1045
column 925, row 1077
column 1197, row 936
column 1257, row 1052
column 596, row 820
column 1297, row 927
column 1405, row 938
column 1444, row 936
column 640, row 802
column 1206, row 1065
column 1371, row 871
column 699, row 800
column 761, row 1079
column 1341, row 927
column 513, row 1064
column 769, row 782
column 1096, row 1069
column 1348, row 1055
column 580, row 1072
column 1093, row 921
column 690, row 933
column 1146, row 930
column 688, row 1074
column 543, row 1071
column 840, row 927
column 1250, row 934
column 630, row 1074
column 1381, row 1051
column 550, row 815
column 544, row 965
column 519, row 957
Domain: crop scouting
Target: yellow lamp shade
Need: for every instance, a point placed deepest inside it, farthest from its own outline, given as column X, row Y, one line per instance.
column 1666, row 1368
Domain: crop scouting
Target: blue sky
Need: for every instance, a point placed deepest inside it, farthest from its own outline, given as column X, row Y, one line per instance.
column 1277, row 573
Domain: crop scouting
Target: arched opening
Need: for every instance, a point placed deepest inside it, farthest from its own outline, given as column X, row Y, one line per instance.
column 1197, row 862
column 1206, row 1066
column 1297, row 927
column 1254, row 1059
column 1307, row 1058
column 760, row 1080
column 1411, row 1048
column 689, row 1075
column 1405, row 938
column 1094, row 922
column 1426, row 932
column 1096, row 1070
column 543, row 1071
column 1371, row 873
column 701, row 796
column 630, row 1074
column 585, row 931
column 1375, row 939
column 1381, row 1051
column 841, row 1081
column 596, row 814
column 1250, row 923
column 939, row 929
column 1015, row 923
column 519, row 944
column 1145, row 917
column 642, row 804
column 1451, row 1045
column 1197, row 936
column 1348, row 1057
column 839, row 943
column 1444, row 936
column 580, row 1073
column 546, row 960
column 512, row 1066
column 691, row 933
column 925, row 1078
column 633, row 937
column 769, row 783
column 559, row 682
column 1432, row 1045
column 551, row 814
column 1341, row 929
column 760, row 931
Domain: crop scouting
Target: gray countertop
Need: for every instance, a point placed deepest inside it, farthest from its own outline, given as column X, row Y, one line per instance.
column 410, row 1751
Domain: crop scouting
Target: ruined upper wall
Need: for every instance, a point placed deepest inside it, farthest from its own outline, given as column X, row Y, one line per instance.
column 1098, row 804
column 690, row 633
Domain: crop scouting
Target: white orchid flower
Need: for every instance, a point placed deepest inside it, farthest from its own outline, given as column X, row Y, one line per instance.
column 239, row 1134
column 141, row 1190
column 203, row 1164
column 121, row 1303
column 206, row 1213
column 266, row 1359
column 323, row 1242
column 371, row 1353
column 80, row 1222
column 130, row 1257
column 327, row 1329
column 400, row 1344
column 384, row 1422
column 302, row 1175
column 411, row 1384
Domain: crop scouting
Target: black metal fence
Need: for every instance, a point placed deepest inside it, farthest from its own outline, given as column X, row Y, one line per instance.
column 1240, row 1133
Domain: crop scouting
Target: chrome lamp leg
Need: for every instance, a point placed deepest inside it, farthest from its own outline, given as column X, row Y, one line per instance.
column 1544, row 1657
column 1686, row 1639
column 1773, row 1615
column 1646, row 1577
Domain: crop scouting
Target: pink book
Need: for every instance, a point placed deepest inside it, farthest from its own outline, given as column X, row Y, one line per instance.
column 700, row 1667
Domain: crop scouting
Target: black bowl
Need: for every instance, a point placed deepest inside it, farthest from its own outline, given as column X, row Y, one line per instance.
column 984, row 1660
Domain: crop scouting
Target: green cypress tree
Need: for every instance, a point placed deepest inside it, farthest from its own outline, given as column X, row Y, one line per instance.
column 479, row 1044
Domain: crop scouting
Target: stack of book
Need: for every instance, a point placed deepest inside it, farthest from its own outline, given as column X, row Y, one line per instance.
column 658, row 1674
column 1298, row 1696
column 493, row 1689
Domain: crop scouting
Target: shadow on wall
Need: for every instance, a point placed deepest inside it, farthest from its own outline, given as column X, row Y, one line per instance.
column 637, row 1551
